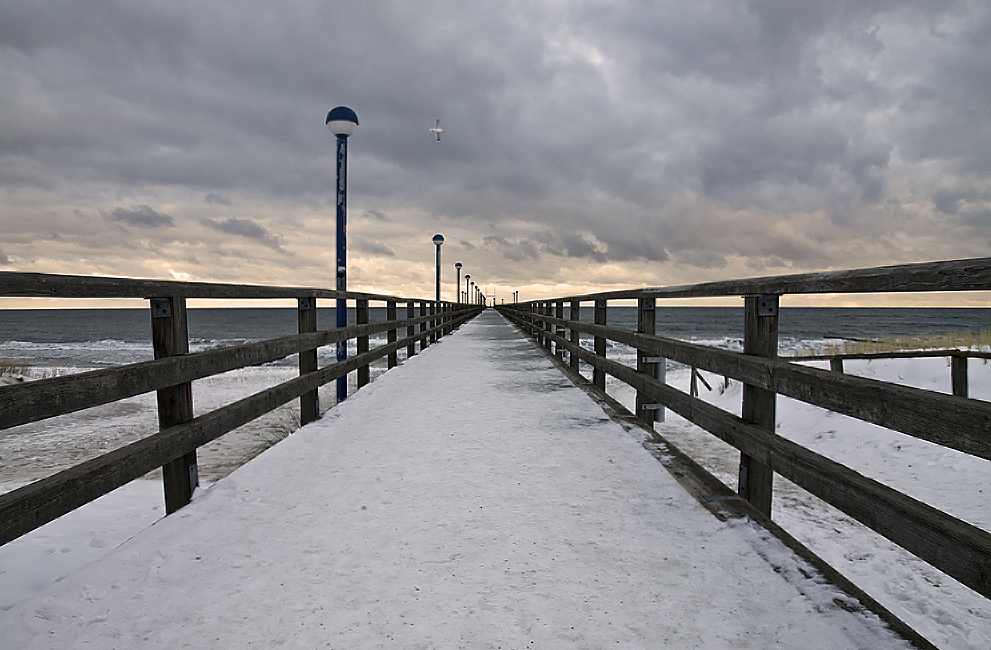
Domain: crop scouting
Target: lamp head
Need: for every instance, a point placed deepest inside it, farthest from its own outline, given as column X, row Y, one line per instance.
column 438, row 240
column 457, row 265
column 342, row 121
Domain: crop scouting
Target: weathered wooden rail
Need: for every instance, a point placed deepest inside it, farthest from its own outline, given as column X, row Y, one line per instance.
column 958, row 362
column 174, row 369
column 957, row 548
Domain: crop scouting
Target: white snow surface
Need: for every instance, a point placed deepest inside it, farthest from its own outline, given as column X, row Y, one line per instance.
column 470, row 498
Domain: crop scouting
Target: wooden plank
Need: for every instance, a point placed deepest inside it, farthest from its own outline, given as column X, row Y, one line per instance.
column 646, row 324
column 47, row 285
column 955, row 275
column 309, row 404
column 42, row 501
column 37, row 400
column 958, row 375
column 410, row 329
column 955, row 547
column 390, row 316
column 574, row 314
column 599, row 344
column 361, row 343
column 948, row 420
column 170, row 338
column 760, row 338
column 908, row 354
column 424, row 340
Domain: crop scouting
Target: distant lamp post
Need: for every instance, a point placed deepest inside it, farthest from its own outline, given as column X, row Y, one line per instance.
column 467, row 296
column 457, row 265
column 438, row 240
column 473, row 298
column 342, row 121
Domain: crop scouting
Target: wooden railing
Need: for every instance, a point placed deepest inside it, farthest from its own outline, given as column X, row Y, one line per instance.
column 173, row 448
column 958, row 548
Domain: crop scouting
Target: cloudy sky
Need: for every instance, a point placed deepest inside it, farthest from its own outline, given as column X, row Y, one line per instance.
column 587, row 144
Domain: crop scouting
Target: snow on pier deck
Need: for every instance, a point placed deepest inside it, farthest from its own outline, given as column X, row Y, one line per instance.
column 471, row 498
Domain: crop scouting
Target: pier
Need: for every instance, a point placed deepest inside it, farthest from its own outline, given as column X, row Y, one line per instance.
column 483, row 492
column 473, row 497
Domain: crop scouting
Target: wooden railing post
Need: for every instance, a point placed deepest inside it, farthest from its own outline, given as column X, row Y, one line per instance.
column 170, row 337
column 548, row 328
column 559, row 329
column 410, row 329
column 544, row 341
column 760, row 338
column 433, row 320
column 599, row 344
column 958, row 375
column 646, row 321
column 423, row 326
column 552, row 347
column 391, row 336
column 574, row 314
column 309, row 404
column 535, row 323
column 361, row 344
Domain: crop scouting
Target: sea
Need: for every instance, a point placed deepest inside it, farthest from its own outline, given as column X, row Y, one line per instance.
column 45, row 343
column 98, row 338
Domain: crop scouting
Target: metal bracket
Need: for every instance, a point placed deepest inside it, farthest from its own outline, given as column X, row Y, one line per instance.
column 305, row 303
column 194, row 477
column 648, row 305
column 709, row 498
column 651, row 407
column 161, row 307
column 653, row 359
column 767, row 306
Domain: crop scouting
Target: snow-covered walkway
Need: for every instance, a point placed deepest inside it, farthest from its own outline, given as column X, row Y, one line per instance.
column 470, row 498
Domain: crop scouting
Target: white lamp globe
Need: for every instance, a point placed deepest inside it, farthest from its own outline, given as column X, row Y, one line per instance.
column 342, row 121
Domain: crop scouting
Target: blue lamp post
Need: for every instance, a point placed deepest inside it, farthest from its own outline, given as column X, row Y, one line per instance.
column 342, row 121
column 438, row 240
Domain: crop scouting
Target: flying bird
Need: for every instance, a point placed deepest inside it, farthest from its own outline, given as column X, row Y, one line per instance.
column 437, row 130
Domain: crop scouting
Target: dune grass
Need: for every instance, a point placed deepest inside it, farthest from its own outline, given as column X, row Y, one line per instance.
column 13, row 368
column 967, row 340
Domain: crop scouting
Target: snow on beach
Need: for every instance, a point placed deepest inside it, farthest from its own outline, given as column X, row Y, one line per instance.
column 947, row 613
column 495, row 508
column 944, row 611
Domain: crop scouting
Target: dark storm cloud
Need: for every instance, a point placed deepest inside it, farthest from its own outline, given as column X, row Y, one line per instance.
column 377, row 215
column 140, row 216
column 616, row 131
column 362, row 245
column 216, row 199
column 244, row 228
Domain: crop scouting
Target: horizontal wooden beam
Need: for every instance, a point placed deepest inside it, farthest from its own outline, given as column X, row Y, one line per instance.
column 45, row 398
column 955, row 275
column 956, row 422
column 955, row 547
column 26, row 508
column 47, row 285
